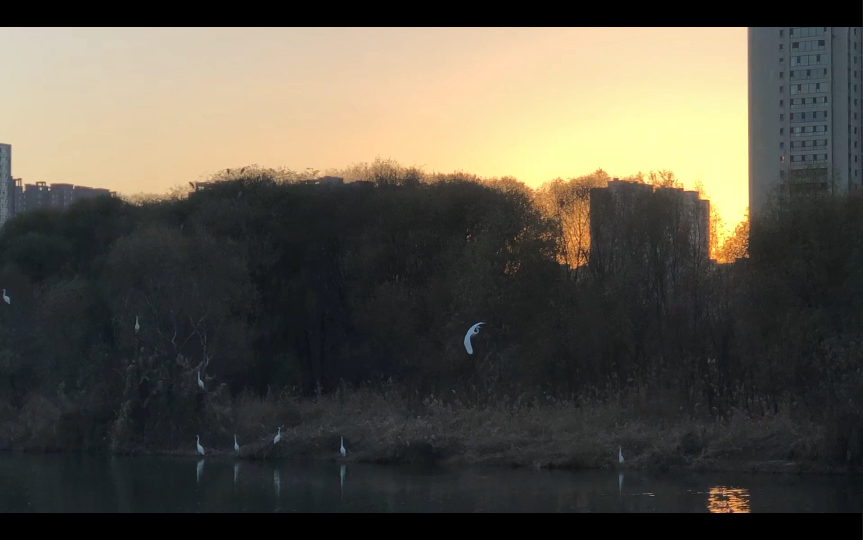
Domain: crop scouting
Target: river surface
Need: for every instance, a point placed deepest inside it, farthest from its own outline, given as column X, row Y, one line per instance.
column 142, row 484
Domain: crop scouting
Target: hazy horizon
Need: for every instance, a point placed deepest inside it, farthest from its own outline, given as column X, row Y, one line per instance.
column 143, row 110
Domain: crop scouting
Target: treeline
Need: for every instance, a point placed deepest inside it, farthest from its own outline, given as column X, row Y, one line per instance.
column 266, row 284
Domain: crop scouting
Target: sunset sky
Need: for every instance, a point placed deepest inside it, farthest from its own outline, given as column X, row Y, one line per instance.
column 146, row 109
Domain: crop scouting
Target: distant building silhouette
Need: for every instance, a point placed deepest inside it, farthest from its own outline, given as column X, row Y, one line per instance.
column 7, row 184
column 632, row 223
column 805, row 111
column 16, row 197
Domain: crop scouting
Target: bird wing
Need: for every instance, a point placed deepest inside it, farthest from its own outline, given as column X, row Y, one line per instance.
column 467, row 342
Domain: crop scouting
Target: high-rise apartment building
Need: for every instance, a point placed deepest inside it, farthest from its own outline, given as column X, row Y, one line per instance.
column 805, row 111
column 5, row 181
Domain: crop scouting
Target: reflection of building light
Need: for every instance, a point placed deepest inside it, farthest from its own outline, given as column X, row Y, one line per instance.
column 726, row 499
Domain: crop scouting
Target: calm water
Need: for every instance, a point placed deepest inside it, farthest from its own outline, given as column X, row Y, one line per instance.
column 88, row 484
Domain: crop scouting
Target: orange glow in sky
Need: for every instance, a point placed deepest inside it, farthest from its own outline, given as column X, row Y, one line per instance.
column 147, row 109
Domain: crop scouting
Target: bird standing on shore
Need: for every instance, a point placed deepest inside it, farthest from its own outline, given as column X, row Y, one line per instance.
column 236, row 446
column 198, row 444
column 6, row 297
column 474, row 330
column 342, row 444
column 619, row 455
column 200, row 382
column 278, row 436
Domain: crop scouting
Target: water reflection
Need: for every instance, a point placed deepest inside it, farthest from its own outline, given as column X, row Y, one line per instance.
column 277, row 486
column 90, row 484
column 728, row 500
column 342, row 481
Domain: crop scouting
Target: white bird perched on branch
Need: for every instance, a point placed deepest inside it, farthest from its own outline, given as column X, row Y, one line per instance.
column 137, row 326
column 200, row 382
column 619, row 455
column 198, row 444
column 342, row 449
column 6, row 297
column 474, row 330
column 236, row 446
column 278, row 436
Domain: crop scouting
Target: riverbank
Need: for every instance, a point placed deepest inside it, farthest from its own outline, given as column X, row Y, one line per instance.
column 384, row 427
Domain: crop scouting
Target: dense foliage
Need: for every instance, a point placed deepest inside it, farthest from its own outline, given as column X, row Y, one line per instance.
column 265, row 283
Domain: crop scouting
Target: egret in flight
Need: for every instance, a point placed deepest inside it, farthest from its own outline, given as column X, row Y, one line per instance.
column 198, row 443
column 474, row 330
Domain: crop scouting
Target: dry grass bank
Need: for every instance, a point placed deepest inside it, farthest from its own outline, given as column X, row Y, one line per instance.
column 386, row 427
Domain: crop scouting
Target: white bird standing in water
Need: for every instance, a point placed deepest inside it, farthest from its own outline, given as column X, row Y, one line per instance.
column 236, row 446
column 278, row 436
column 137, row 326
column 200, row 382
column 619, row 455
column 474, row 330
column 342, row 449
column 6, row 298
column 198, row 444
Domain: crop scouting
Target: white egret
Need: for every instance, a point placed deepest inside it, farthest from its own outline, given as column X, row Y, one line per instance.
column 278, row 436
column 342, row 449
column 198, row 443
column 137, row 326
column 199, row 470
column 6, row 298
column 200, row 382
column 619, row 455
column 474, row 330
column 236, row 446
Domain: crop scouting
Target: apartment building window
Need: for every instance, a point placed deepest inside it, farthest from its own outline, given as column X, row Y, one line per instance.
column 807, row 31
column 782, row 117
column 781, row 46
column 782, row 131
column 782, row 159
column 781, row 103
column 782, row 74
column 782, row 32
column 781, row 89
column 781, row 144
